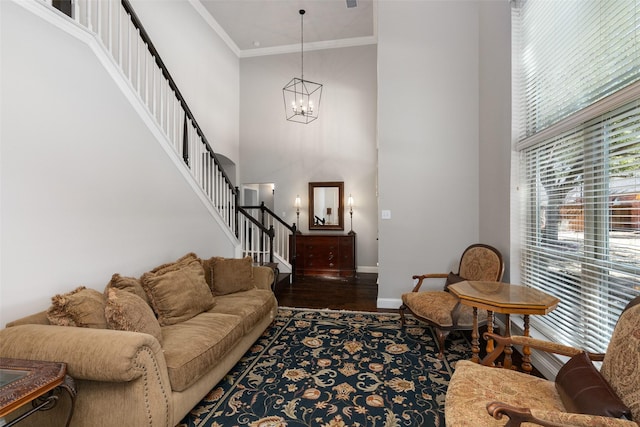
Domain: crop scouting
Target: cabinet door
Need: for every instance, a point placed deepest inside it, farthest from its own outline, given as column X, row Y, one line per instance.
column 300, row 254
column 347, row 257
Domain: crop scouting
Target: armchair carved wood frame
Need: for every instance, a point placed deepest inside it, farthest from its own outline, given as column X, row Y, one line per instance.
column 442, row 309
column 481, row 395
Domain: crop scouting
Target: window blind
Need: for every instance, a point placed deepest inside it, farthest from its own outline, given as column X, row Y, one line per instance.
column 573, row 53
column 581, row 237
column 581, row 213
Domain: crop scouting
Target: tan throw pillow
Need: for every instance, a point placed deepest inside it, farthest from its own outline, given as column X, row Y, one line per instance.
column 207, row 265
column 81, row 307
column 128, row 284
column 126, row 311
column 185, row 259
column 229, row 275
column 177, row 291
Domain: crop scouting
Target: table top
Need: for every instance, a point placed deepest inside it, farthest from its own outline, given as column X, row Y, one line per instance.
column 504, row 297
column 21, row 381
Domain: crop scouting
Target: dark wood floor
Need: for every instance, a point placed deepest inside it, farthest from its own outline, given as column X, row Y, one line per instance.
column 359, row 294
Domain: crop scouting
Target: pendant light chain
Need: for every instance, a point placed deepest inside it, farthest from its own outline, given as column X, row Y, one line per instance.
column 302, row 43
column 301, row 97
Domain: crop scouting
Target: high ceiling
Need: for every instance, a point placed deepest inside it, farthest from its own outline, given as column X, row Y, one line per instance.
column 259, row 27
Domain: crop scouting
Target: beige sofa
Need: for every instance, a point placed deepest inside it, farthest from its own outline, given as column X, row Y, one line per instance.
column 145, row 351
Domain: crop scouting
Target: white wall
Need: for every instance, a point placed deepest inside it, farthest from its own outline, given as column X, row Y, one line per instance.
column 433, row 91
column 443, row 89
column 339, row 146
column 85, row 190
column 495, row 126
column 203, row 66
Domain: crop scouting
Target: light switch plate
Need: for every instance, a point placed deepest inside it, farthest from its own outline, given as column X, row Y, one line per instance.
column 386, row 214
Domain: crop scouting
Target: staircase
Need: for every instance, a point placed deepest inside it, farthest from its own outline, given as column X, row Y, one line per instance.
column 260, row 233
column 265, row 236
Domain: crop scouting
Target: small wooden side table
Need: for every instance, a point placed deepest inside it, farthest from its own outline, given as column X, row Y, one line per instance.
column 38, row 382
column 507, row 299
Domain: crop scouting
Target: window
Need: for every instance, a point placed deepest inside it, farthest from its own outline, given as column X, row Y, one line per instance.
column 578, row 107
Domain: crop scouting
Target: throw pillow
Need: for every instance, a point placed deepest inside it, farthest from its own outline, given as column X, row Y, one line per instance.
column 128, row 284
column 81, row 307
column 185, row 259
column 207, row 265
column 451, row 279
column 126, row 311
column 177, row 291
column 583, row 390
column 230, row 275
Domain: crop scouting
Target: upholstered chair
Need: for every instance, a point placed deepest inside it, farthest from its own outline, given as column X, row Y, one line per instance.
column 443, row 310
column 581, row 395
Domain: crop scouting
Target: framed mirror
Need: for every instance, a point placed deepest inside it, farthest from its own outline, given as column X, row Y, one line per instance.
column 326, row 205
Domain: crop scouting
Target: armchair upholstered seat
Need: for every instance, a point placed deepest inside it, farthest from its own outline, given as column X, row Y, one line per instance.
column 442, row 309
column 581, row 395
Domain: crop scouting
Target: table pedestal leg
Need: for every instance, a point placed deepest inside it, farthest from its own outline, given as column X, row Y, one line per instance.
column 475, row 343
column 489, row 330
column 508, row 350
column 526, row 351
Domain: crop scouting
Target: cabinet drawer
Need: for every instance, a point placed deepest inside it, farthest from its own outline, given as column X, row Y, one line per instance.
column 327, row 255
column 321, row 256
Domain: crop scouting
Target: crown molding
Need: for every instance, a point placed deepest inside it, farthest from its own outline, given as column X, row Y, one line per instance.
column 209, row 19
column 292, row 48
column 295, row 48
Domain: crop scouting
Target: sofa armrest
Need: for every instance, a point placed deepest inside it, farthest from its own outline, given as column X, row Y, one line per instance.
column 90, row 354
column 39, row 318
column 263, row 277
column 552, row 418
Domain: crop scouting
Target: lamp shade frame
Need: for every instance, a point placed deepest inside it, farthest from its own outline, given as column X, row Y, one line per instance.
column 302, row 100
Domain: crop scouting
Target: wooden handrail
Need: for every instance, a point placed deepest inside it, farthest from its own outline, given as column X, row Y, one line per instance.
column 172, row 84
column 263, row 208
column 261, row 225
column 153, row 83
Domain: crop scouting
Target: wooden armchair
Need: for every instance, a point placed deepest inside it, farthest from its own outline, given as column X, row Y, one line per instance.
column 442, row 309
column 580, row 395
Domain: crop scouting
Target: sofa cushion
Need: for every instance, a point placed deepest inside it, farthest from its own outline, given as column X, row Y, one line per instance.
column 125, row 311
column 81, row 307
column 251, row 306
column 129, row 284
column 584, row 391
column 193, row 347
column 229, row 275
column 177, row 291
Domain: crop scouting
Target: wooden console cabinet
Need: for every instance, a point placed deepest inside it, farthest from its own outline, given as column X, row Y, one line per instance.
column 326, row 255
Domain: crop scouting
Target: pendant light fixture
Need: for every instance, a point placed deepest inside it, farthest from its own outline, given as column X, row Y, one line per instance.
column 302, row 97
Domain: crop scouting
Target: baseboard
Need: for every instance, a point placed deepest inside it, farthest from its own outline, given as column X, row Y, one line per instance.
column 394, row 303
column 367, row 269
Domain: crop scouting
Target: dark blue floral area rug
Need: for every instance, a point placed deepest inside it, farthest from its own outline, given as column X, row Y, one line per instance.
column 335, row 369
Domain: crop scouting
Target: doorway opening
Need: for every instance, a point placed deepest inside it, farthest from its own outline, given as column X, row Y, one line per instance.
column 255, row 194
